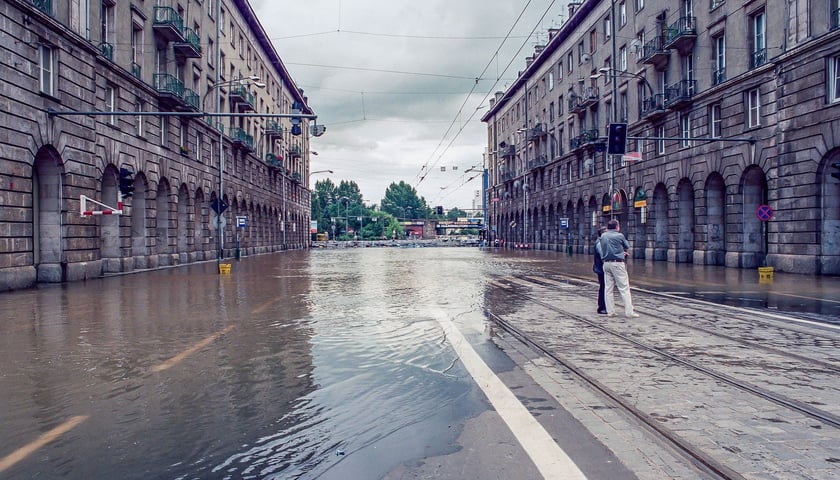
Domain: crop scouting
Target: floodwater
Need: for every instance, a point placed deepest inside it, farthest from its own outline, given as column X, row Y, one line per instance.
column 301, row 365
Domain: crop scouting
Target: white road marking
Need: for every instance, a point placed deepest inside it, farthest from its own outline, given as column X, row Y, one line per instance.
column 549, row 458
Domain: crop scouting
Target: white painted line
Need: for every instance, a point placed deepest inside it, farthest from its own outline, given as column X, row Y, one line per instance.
column 549, row 458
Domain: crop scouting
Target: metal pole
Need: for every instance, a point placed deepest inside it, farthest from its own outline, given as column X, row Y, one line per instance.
column 614, row 100
column 525, row 174
column 219, row 231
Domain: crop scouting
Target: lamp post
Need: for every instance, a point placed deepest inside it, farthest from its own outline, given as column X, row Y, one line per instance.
column 254, row 80
column 617, row 73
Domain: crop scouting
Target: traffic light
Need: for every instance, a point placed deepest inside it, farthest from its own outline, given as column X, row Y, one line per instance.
column 439, row 210
column 296, row 107
column 617, row 139
column 836, row 166
column 126, row 182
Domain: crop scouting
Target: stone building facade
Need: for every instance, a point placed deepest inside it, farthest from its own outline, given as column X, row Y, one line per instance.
column 153, row 69
column 732, row 106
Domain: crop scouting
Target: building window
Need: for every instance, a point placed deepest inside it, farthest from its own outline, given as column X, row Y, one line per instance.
column 550, row 81
column 622, row 14
column 833, row 87
column 581, row 52
column 47, row 69
column 640, row 4
column 622, row 58
column 834, row 21
column 560, row 105
column 715, row 121
column 111, row 103
column 660, row 142
column 164, row 130
column 753, row 108
column 593, row 40
column 139, row 108
column 570, row 60
column 685, row 130
column 758, row 45
column 622, row 105
column 551, row 112
column 719, row 73
column 560, row 71
column 199, row 142
column 211, row 52
column 211, row 12
column 607, row 29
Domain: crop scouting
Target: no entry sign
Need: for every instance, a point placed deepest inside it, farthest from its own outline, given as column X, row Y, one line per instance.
column 764, row 212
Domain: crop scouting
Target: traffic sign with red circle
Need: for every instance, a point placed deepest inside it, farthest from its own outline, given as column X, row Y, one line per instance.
column 764, row 212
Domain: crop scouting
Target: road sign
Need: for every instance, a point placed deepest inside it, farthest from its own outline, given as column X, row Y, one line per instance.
column 764, row 212
column 241, row 222
column 564, row 223
column 217, row 221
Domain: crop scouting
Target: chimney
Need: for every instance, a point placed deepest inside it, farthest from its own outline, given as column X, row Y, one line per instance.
column 492, row 102
column 552, row 32
column 499, row 95
column 538, row 49
column 573, row 8
column 528, row 61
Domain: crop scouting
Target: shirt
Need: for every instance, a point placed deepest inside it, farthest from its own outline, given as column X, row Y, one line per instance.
column 613, row 245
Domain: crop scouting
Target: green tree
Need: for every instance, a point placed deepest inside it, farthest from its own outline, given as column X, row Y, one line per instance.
column 401, row 201
column 455, row 213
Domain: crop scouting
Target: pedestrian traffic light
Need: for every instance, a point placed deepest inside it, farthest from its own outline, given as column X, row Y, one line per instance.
column 836, row 167
column 617, row 139
column 126, row 182
column 296, row 107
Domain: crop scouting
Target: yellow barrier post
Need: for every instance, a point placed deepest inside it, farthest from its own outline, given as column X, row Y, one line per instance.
column 765, row 274
column 224, row 269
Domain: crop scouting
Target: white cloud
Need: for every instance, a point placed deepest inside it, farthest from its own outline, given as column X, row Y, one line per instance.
column 382, row 127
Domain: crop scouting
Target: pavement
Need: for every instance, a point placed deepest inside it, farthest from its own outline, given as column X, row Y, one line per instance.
column 660, row 418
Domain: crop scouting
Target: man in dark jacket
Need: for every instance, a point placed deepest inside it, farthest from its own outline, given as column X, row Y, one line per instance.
column 598, row 268
column 614, row 250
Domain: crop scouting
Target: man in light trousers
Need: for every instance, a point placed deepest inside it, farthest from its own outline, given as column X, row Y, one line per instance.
column 614, row 253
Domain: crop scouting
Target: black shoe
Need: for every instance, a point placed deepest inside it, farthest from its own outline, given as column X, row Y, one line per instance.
column 602, row 312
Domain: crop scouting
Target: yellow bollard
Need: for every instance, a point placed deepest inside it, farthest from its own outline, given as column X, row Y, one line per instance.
column 765, row 274
column 224, row 269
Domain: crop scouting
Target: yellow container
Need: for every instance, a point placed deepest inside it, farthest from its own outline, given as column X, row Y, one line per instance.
column 224, row 269
column 765, row 274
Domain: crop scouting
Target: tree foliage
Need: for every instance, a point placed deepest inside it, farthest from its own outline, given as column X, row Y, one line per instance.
column 401, row 201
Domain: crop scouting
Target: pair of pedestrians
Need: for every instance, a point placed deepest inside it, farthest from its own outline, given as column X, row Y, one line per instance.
column 611, row 252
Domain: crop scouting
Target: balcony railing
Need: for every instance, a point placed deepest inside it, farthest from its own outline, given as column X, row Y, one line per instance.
column 537, row 132
column 716, row 3
column 835, row 19
column 273, row 160
column 653, row 105
column 242, row 139
column 719, row 76
column 107, row 50
column 168, row 24
column 680, row 93
column 508, row 151
column 190, row 47
column 43, row 5
column 586, row 137
column 242, row 97
column 136, row 70
column 294, row 151
column 296, row 177
column 539, row 161
column 654, row 52
column 191, row 98
column 273, row 128
column 168, row 84
column 507, row 176
column 758, row 58
column 682, row 33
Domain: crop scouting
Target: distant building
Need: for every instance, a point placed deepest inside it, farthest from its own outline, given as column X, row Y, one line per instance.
column 81, row 57
column 732, row 106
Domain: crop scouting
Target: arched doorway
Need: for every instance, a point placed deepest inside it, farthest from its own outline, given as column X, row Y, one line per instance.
column 754, row 194
column 48, row 238
column 162, row 247
column 139, row 245
column 715, row 251
column 659, row 216
column 685, row 222
column 109, row 225
column 830, row 234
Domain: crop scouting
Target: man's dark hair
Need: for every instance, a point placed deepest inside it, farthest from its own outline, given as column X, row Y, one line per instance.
column 612, row 224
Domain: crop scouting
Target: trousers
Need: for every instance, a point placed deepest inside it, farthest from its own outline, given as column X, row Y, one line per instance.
column 615, row 276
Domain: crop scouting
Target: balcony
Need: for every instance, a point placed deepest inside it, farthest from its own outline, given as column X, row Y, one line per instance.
column 508, row 151
column 719, row 76
column 653, row 52
column 539, row 161
column 537, row 132
column 589, row 97
column 170, row 89
column 242, row 98
column 273, row 161
column 835, row 18
column 681, row 34
column 43, row 5
column 136, row 70
column 586, row 138
column 296, row 177
column 191, row 100
column 168, row 25
column 273, row 129
column 242, row 140
column 506, row 176
column 758, row 58
column 653, row 107
column 107, row 50
column 294, row 151
column 680, row 93
column 190, row 47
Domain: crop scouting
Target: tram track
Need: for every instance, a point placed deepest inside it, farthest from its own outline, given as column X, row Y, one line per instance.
column 706, row 461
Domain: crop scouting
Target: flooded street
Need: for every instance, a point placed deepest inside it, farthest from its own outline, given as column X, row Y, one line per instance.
column 324, row 364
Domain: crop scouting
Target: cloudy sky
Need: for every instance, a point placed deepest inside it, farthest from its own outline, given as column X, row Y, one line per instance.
column 394, row 82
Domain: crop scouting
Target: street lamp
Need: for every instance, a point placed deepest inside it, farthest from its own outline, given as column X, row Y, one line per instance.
column 606, row 71
column 254, row 80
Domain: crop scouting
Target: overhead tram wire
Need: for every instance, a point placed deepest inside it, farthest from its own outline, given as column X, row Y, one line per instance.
column 426, row 167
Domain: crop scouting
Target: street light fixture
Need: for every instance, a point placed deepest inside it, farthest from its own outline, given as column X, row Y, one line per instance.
column 606, row 71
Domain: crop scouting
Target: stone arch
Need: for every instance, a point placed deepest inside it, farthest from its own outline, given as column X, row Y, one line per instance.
column 754, row 239
column 715, row 191
column 685, row 222
column 202, row 224
column 162, row 222
column 830, row 210
column 109, row 225
column 659, row 218
column 182, row 225
column 47, row 229
column 139, row 230
column 639, row 233
column 579, row 237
